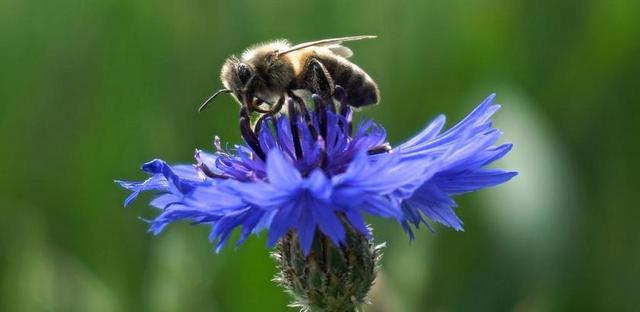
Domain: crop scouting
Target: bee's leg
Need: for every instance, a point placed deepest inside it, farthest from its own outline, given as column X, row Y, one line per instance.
column 255, row 106
column 300, row 105
column 302, row 109
column 318, row 80
column 249, row 135
column 276, row 108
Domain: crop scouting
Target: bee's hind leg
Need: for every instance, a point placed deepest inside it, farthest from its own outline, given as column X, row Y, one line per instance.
column 318, row 80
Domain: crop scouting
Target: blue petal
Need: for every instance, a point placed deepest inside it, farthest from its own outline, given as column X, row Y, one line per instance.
column 427, row 134
column 453, row 163
column 250, row 224
column 318, row 184
column 382, row 206
column 178, row 179
column 283, row 220
column 165, row 200
column 306, row 229
column 280, row 171
column 223, row 228
column 328, row 222
column 472, row 181
column 356, row 220
column 436, row 205
column 262, row 194
column 176, row 183
column 156, row 182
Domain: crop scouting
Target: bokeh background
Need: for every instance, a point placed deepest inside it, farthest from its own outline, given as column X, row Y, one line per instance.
column 91, row 89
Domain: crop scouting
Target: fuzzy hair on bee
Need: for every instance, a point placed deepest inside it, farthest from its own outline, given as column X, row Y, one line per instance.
column 265, row 74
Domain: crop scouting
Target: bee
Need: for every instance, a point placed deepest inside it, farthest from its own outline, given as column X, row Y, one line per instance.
column 266, row 73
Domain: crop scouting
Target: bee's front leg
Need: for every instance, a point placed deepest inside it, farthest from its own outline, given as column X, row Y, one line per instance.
column 278, row 106
column 255, row 107
column 317, row 79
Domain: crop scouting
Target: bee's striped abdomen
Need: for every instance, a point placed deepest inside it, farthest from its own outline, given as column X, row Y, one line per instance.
column 361, row 89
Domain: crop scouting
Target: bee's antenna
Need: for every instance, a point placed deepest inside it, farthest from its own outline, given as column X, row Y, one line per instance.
column 213, row 96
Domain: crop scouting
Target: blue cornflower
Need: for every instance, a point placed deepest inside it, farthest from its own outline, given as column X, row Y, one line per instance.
column 309, row 171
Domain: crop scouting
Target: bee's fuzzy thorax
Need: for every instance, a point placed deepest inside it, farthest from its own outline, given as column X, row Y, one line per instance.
column 262, row 48
column 298, row 59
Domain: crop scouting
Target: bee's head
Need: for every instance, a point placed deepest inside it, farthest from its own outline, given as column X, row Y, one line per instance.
column 239, row 78
column 260, row 74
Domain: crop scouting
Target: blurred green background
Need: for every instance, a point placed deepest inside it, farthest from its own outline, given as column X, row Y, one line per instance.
column 91, row 89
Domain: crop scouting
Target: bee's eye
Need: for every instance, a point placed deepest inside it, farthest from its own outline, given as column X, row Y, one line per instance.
column 244, row 73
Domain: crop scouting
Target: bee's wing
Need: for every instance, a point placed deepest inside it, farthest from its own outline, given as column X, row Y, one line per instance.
column 340, row 50
column 334, row 42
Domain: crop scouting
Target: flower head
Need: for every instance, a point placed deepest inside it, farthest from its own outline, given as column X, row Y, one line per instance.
column 311, row 171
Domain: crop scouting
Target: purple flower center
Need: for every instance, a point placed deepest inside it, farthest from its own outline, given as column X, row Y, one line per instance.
column 321, row 138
